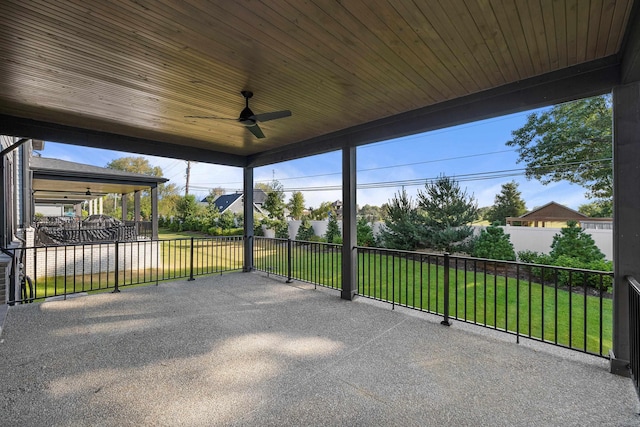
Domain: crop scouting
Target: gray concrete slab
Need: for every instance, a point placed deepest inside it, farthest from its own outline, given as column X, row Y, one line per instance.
column 243, row 349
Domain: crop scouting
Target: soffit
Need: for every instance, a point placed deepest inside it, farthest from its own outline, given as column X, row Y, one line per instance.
column 137, row 68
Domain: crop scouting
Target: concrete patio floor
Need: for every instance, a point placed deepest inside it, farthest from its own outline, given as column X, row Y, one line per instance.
column 245, row 349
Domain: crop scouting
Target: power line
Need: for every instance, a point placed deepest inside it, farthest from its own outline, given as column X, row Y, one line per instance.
column 477, row 176
column 381, row 167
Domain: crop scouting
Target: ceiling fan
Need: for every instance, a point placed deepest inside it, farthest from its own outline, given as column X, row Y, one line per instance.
column 248, row 119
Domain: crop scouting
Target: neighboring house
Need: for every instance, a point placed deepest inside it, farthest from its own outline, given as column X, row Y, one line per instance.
column 235, row 202
column 555, row 215
column 29, row 182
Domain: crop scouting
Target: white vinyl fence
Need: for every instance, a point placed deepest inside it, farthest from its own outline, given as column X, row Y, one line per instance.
column 523, row 238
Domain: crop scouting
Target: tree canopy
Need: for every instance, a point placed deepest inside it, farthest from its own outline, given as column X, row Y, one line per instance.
column 508, row 203
column 274, row 203
column 167, row 193
column 401, row 225
column 446, row 212
column 296, row 205
column 570, row 142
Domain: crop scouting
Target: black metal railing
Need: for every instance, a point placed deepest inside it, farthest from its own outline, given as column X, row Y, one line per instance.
column 63, row 270
column 312, row 262
column 567, row 307
column 143, row 228
column 563, row 306
column 634, row 331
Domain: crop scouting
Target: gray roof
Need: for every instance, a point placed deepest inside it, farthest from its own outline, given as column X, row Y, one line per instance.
column 46, row 164
column 61, row 181
column 224, row 201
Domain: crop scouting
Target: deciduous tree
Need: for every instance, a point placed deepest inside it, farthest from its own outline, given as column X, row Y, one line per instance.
column 296, row 205
column 570, row 142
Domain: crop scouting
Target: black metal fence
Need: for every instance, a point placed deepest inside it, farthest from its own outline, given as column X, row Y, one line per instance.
column 143, row 228
column 567, row 307
column 62, row 270
column 312, row 262
column 634, row 331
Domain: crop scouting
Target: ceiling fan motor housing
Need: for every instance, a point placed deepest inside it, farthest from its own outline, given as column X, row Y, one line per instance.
column 246, row 117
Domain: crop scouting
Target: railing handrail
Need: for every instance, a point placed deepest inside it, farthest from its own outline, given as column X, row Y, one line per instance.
column 633, row 283
column 470, row 258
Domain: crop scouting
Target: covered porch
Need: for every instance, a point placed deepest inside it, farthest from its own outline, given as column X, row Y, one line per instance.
column 246, row 349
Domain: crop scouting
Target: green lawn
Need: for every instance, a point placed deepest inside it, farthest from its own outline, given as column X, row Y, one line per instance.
column 485, row 298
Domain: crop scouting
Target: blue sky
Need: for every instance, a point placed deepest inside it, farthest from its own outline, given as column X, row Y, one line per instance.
column 474, row 148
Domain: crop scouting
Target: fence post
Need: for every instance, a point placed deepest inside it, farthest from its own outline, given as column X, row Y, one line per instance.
column 117, row 263
column 445, row 289
column 191, row 278
column 13, row 278
column 289, row 279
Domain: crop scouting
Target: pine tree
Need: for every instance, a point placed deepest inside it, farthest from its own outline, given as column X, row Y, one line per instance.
column 401, row 228
column 305, row 231
column 447, row 212
column 493, row 243
column 333, row 230
column 575, row 243
column 508, row 203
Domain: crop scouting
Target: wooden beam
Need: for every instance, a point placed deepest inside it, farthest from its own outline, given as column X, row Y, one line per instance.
column 18, row 126
column 630, row 53
column 589, row 79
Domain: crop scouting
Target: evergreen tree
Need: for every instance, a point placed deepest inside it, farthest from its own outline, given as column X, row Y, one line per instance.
column 365, row 233
column 333, row 230
column 305, row 231
column 573, row 242
column 447, row 212
column 401, row 228
column 508, row 203
column 493, row 243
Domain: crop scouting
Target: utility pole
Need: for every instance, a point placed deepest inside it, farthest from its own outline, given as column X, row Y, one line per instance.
column 186, row 187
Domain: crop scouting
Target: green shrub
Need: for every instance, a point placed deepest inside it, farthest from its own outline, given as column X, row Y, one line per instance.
column 567, row 277
column 282, row 229
column 215, row 231
column 493, row 243
column 305, row 231
column 528, row 256
column 365, row 233
column 575, row 243
column 333, row 230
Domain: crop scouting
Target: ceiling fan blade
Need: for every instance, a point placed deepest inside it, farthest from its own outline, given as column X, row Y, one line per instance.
column 264, row 117
column 256, row 131
column 209, row 117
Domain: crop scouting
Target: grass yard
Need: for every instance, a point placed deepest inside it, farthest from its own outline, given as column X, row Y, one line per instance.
column 488, row 298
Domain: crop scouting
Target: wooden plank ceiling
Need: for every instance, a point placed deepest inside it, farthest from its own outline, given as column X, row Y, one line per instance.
column 137, row 68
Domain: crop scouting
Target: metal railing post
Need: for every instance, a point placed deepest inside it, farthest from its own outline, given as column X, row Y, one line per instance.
column 289, row 279
column 14, row 278
column 446, row 290
column 191, row 278
column 116, row 288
